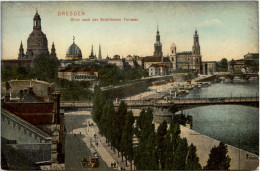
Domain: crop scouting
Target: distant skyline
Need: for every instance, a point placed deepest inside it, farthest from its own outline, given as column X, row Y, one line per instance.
column 226, row 29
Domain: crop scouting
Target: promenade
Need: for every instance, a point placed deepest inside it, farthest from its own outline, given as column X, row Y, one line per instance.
column 240, row 159
column 93, row 143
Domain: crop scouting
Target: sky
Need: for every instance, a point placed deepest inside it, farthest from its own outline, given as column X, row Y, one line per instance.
column 226, row 29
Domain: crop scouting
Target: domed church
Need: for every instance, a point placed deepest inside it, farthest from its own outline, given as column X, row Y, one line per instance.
column 74, row 51
column 37, row 43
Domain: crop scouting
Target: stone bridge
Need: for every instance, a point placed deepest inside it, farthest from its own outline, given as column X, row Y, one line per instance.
column 230, row 76
column 175, row 104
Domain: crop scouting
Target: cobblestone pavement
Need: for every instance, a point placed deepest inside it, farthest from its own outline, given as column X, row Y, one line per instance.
column 75, row 147
column 86, row 134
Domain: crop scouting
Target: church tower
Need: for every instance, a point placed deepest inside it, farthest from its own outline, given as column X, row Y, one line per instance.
column 37, row 22
column 37, row 43
column 173, row 56
column 158, row 45
column 197, row 64
column 21, row 52
column 196, row 45
column 53, row 51
column 99, row 53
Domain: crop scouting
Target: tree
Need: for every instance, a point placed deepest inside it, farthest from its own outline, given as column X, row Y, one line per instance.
column 192, row 162
column 45, row 68
column 127, row 136
column 109, row 75
column 118, row 126
column 218, row 158
column 179, row 155
column 145, row 154
column 222, row 66
column 98, row 103
column 144, row 125
column 111, row 114
column 161, row 144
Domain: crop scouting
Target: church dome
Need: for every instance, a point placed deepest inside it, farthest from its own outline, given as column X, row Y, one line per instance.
column 74, row 52
column 173, row 45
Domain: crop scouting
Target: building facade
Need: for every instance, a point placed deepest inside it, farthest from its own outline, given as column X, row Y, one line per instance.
column 37, row 42
column 33, row 130
column 158, row 70
column 209, row 67
column 250, row 64
column 78, row 74
column 187, row 60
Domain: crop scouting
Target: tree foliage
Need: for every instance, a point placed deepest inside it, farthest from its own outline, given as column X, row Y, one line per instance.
column 127, row 136
column 192, row 162
column 45, row 68
column 98, row 103
column 218, row 158
column 222, row 66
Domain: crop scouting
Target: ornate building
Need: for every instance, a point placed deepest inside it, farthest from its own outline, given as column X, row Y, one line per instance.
column 158, row 45
column 188, row 60
column 157, row 57
column 74, row 51
column 37, row 43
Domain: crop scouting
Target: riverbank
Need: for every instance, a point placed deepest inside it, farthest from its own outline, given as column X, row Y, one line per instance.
column 240, row 159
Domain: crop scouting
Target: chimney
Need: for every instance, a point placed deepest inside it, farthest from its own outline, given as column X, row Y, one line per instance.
column 56, row 101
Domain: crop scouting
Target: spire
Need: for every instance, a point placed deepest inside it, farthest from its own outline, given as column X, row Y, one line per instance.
column 73, row 39
column 92, row 56
column 158, row 44
column 37, row 10
column 21, row 51
column 53, row 50
column 99, row 53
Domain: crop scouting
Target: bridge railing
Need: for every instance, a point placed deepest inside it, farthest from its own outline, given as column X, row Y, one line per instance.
column 216, row 100
column 168, row 102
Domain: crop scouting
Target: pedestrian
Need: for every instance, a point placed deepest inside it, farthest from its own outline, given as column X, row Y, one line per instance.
column 115, row 164
column 111, row 164
column 97, row 144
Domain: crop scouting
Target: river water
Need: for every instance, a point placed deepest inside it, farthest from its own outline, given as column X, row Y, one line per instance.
column 233, row 124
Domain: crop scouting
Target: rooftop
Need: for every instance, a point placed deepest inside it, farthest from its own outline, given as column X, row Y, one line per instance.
column 78, row 69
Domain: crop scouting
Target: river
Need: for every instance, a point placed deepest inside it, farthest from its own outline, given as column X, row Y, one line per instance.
column 233, row 124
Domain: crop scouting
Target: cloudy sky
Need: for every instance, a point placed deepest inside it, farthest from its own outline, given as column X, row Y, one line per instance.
column 226, row 29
